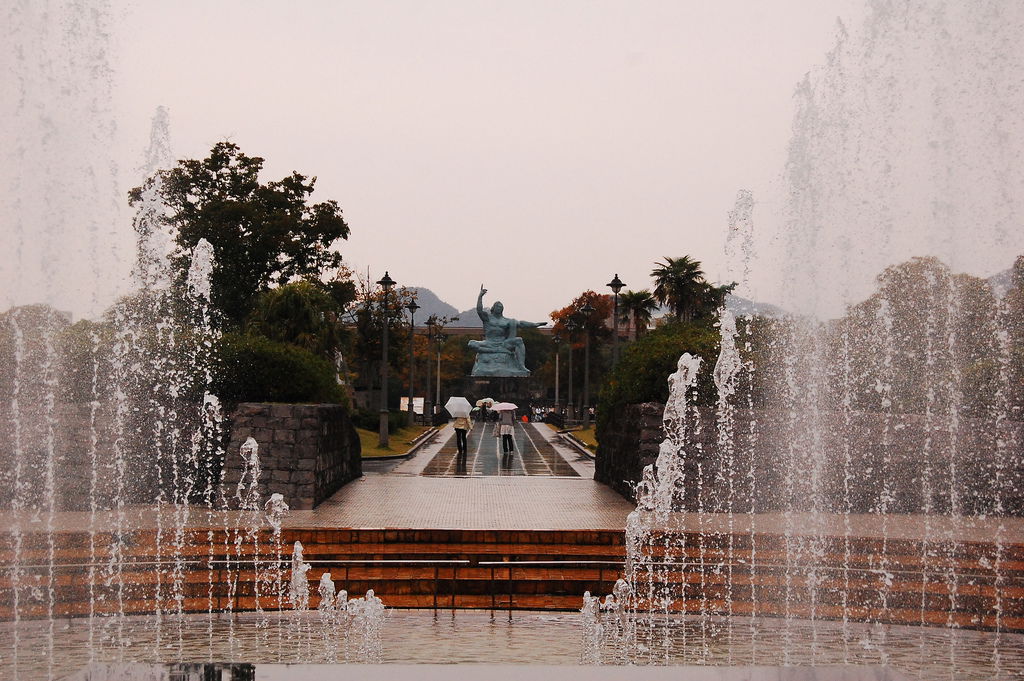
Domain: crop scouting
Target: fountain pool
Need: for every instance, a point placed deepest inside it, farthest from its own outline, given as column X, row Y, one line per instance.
column 536, row 638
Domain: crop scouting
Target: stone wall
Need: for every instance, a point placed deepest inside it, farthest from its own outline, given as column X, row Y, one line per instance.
column 628, row 444
column 900, row 463
column 307, row 451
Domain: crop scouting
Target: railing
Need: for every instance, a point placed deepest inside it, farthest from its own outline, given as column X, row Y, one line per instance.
column 503, row 571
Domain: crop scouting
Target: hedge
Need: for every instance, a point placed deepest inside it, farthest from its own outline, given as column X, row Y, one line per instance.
column 252, row 368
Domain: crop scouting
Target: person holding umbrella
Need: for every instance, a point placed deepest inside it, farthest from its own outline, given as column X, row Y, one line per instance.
column 505, row 426
column 482, row 405
column 460, row 409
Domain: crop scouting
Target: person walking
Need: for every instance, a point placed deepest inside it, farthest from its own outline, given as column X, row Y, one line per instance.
column 462, row 425
column 504, row 429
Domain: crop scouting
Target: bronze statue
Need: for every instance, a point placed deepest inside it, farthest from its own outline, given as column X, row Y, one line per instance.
column 502, row 352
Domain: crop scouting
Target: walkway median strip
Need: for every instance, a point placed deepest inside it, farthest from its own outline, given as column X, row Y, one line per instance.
column 414, row 445
column 574, row 442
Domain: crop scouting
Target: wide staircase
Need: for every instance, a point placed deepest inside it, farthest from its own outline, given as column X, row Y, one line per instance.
column 67, row 574
column 213, row 569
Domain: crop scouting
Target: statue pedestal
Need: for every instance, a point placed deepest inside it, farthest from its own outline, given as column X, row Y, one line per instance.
column 502, row 389
column 495, row 360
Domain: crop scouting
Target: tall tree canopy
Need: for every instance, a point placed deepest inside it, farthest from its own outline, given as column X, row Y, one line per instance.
column 301, row 313
column 262, row 235
column 572, row 323
column 679, row 283
column 636, row 308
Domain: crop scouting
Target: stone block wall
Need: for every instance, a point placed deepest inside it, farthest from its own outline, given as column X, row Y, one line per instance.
column 627, row 445
column 307, row 451
column 899, row 463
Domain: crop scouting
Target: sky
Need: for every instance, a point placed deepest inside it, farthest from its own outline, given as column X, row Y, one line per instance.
column 537, row 148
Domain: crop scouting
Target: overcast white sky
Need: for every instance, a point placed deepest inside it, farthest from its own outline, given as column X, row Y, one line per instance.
column 535, row 147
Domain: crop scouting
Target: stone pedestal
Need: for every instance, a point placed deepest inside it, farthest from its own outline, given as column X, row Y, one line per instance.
column 502, row 389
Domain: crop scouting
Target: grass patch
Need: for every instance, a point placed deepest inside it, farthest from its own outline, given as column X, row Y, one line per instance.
column 398, row 441
column 586, row 436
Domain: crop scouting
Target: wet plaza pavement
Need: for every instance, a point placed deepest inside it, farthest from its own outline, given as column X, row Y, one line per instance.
column 533, row 455
column 546, row 485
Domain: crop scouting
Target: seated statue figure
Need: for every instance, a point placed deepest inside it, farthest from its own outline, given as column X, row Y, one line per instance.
column 502, row 352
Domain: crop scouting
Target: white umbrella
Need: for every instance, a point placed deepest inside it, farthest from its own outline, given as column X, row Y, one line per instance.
column 484, row 402
column 504, row 406
column 459, row 407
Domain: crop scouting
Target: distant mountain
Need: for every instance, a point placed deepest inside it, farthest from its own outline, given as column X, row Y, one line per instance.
column 430, row 304
column 468, row 318
column 743, row 307
column 740, row 307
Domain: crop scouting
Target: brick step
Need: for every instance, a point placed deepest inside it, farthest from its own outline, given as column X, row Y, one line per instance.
column 838, row 543
column 891, row 561
column 765, row 560
column 396, row 578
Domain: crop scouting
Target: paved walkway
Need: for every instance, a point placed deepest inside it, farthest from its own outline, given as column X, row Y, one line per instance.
column 378, row 501
column 533, row 454
column 548, row 486
column 539, row 452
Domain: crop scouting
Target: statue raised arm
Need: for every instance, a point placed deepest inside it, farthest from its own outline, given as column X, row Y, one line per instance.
column 502, row 352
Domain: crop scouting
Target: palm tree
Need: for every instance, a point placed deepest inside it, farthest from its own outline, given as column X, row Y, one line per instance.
column 637, row 307
column 679, row 283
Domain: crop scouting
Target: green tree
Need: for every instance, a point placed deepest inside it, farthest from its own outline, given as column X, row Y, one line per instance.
column 302, row 313
column 263, row 235
column 368, row 317
column 925, row 339
column 679, row 283
column 642, row 373
column 636, row 308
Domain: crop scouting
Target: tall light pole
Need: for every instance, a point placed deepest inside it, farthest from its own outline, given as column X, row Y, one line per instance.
column 558, row 346
column 435, row 325
column 441, row 338
column 412, row 307
column 586, row 310
column 428, row 394
column 570, row 324
column 386, row 283
column 615, row 285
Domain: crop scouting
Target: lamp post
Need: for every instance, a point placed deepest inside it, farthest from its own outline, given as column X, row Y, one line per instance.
column 615, row 285
column 441, row 338
column 412, row 307
column 586, row 310
column 435, row 325
column 386, row 283
column 428, row 407
column 558, row 346
column 570, row 324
